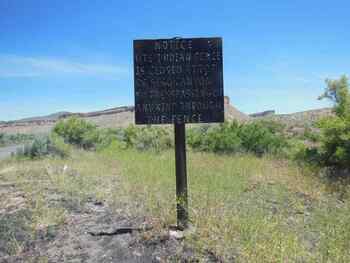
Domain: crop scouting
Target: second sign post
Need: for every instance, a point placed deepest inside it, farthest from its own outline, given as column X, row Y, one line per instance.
column 179, row 81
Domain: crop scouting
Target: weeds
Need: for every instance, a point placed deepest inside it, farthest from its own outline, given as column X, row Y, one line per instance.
column 243, row 208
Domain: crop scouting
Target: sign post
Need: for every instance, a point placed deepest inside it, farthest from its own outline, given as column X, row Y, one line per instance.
column 179, row 81
column 181, row 175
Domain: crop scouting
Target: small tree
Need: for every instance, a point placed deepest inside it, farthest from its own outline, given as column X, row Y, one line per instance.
column 261, row 138
column 337, row 91
column 77, row 132
column 335, row 131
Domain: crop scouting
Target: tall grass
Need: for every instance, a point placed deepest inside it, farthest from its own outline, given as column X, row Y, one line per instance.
column 243, row 208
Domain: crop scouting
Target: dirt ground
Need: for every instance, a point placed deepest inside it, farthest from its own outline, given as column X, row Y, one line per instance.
column 90, row 234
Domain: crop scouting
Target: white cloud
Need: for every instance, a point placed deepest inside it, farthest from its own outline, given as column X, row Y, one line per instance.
column 16, row 66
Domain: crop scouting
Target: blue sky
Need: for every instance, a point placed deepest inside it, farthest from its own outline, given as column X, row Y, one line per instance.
column 77, row 55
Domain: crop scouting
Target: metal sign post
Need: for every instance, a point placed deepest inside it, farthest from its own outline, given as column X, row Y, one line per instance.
column 181, row 175
column 179, row 81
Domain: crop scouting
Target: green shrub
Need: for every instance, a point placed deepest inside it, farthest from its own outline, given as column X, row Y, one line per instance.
column 311, row 135
column 274, row 127
column 195, row 136
column 90, row 139
column 80, row 133
column 335, row 142
column 114, row 147
column 260, row 139
column 304, row 154
column 77, row 132
column 222, row 139
column 148, row 138
column 129, row 135
column 331, row 147
column 13, row 139
column 58, row 147
column 257, row 137
column 335, row 131
column 45, row 146
column 108, row 136
column 34, row 150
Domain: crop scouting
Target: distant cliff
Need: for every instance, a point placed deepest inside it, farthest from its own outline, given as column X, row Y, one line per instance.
column 124, row 116
column 263, row 114
column 303, row 118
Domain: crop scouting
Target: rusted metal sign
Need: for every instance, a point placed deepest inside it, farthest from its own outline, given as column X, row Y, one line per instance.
column 178, row 80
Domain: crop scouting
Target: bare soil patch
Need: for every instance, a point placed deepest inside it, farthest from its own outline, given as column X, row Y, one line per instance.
column 92, row 233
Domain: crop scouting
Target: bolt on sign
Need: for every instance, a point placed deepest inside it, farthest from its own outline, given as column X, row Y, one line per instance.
column 178, row 80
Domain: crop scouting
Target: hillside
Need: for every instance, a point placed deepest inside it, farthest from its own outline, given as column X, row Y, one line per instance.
column 114, row 117
column 53, row 116
column 109, row 118
column 299, row 119
column 124, row 116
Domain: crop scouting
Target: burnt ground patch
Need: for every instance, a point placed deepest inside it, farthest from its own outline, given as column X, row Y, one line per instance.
column 89, row 234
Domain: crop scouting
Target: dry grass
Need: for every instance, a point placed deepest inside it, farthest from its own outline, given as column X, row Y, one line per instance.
column 244, row 208
column 51, row 189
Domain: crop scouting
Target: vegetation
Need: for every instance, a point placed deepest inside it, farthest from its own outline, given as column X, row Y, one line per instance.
column 335, row 131
column 328, row 147
column 44, row 146
column 148, row 138
column 13, row 139
column 82, row 134
column 250, row 203
column 243, row 207
column 77, row 132
column 261, row 137
column 258, row 138
column 38, row 217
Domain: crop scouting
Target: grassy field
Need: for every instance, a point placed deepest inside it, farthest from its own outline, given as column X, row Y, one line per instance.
column 242, row 207
column 252, row 209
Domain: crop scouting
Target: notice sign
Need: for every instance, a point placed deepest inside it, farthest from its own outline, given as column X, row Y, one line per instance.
column 178, row 80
